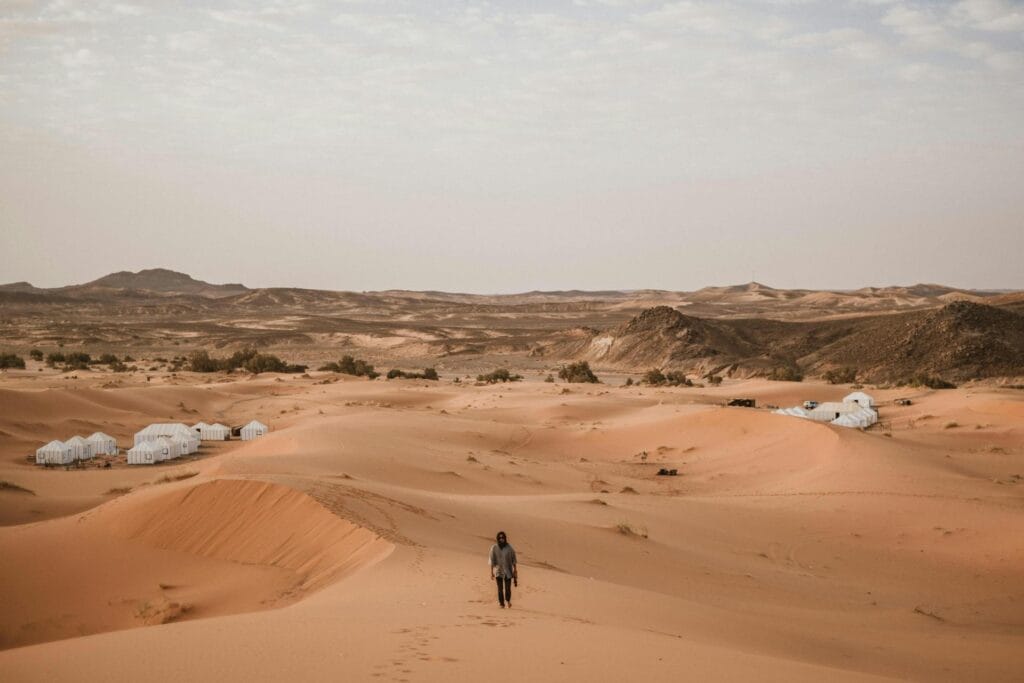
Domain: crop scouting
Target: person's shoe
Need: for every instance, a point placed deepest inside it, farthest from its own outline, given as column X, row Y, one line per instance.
column 501, row 605
column 510, row 604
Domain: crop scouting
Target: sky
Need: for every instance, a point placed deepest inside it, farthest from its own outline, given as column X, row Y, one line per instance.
column 518, row 145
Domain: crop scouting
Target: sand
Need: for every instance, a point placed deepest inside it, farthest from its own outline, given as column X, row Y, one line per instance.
column 351, row 541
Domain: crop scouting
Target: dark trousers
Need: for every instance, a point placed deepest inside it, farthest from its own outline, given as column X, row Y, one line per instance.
column 507, row 595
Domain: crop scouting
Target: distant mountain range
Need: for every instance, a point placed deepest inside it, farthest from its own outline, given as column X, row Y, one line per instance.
column 887, row 333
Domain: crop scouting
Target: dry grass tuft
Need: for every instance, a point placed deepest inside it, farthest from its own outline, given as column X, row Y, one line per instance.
column 119, row 491
column 627, row 529
column 9, row 486
column 951, row 425
column 168, row 478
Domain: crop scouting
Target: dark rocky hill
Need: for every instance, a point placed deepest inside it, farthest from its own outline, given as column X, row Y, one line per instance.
column 959, row 341
column 162, row 280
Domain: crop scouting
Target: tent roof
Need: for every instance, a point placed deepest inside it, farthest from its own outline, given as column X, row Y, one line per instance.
column 255, row 423
column 54, row 444
column 76, row 439
column 99, row 435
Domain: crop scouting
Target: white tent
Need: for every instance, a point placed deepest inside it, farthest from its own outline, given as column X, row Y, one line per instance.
column 103, row 444
column 214, row 432
column 842, row 414
column 82, row 449
column 162, row 430
column 54, row 453
column 860, row 398
column 253, row 430
column 181, row 444
column 199, row 426
column 164, row 449
column 144, row 453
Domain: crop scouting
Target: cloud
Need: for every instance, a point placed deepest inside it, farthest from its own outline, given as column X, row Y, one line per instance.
column 79, row 58
column 989, row 15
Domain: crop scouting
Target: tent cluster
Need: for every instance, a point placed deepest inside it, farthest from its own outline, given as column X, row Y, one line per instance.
column 153, row 444
column 162, row 441
column 76, row 448
column 855, row 410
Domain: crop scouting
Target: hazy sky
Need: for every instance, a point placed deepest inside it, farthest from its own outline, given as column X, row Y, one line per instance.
column 508, row 146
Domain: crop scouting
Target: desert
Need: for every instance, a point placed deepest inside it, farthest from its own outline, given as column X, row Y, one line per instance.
column 352, row 538
column 552, row 341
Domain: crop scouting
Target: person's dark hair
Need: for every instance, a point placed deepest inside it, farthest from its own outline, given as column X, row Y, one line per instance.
column 500, row 534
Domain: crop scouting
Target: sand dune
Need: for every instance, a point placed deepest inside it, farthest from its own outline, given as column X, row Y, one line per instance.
column 351, row 540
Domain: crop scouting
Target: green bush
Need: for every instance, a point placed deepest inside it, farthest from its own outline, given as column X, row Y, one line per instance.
column 714, row 380
column 841, row 376
column 499, row 375
column 52, row 359
column 35, row 354
column 10, row 360
column 106, row 359
column 577, row 373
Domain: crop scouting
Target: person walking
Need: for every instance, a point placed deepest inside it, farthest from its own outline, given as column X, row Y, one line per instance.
column 504, row 569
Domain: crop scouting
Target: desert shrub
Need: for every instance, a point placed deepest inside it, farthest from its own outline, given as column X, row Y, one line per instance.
column 53, row 359
column 77, row 360
column 106, row 359
column 673, row 378
column 428, row 373
column 841, row 376
column 128, row 359
column 351, row 366
column 714, row 380
column 266, row 362
column 930, row 381
column 118, row 366
column 786, row 373
column 499, row 375
column 654, row 377
column 677, row 378
column 200, row 361
column 35, row 354
column 578, row 372
column 10, row 360
column 248, row 359
column 628, row 382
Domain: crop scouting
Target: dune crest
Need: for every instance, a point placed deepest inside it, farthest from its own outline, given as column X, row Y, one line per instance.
column 252, row 522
